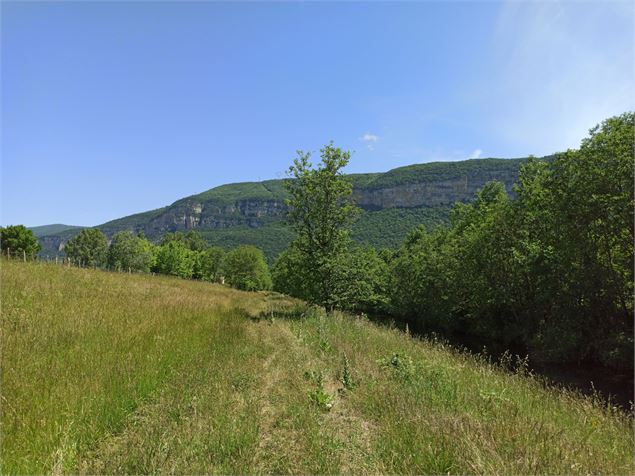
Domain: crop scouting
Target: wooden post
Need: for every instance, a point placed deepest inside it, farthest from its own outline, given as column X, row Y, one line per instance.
column 24, row 255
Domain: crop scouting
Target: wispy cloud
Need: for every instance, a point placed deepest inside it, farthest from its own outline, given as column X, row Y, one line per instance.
column 476, row 153
column 561, row 68
column 370, row 140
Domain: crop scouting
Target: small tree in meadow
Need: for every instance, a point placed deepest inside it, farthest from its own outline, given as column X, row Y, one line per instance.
column 208, row 264
column 130, row 252
column 321, row 212
column 88, row 248
column 175, row 259
column 245, row 268
column 19, row 239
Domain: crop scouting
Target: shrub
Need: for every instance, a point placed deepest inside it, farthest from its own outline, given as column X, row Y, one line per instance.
column 175, row 259
column 245, row 268
column 19, row 239
column 89, row 248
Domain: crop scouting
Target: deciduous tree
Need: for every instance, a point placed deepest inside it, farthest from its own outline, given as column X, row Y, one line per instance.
column 88, row 248
column 321, row 212
column 19, row 239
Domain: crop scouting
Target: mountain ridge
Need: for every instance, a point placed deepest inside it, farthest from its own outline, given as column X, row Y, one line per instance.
column 44, row 230
column 254, row 212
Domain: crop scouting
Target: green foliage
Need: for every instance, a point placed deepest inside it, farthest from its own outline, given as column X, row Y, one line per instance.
column 441, row 171
column 402, row 365
column 580, row 217
column 132, row 222
column 272, row 237
column 361, row 281
column 130, row 252
column 347, row 375
column 192, row 240
column 245, row 268
column 175, row 259
column 208, row 264
column 88, row 248
column 52, row 229
column 422, row 279
column 550, row 272
column 231, row 193
column 227, row 217
column 289, row 275
column 321, row 212
column 319, row 396
column 20, row 240
column 388, row 228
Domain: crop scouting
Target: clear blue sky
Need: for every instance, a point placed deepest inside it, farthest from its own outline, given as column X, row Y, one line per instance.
column 119, row 107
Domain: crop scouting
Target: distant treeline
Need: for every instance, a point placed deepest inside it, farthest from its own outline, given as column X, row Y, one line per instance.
column 187, row 256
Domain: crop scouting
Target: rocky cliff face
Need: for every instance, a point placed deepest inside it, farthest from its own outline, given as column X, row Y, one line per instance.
column 253, row 213
column 212, row 216
column 259, row 206
column 431, row 194
column 52, row 245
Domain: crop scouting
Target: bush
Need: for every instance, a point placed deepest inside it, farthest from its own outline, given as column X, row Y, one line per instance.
column 88, row 248
column 19, row 239
column 130, row 252
column 208, row 264
column 175, row 259
column 245, row 268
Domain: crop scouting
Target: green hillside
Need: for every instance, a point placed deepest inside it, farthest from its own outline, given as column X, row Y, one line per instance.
column 440, row 171
column 52, row 229
column 393, row 202
column 107, row 373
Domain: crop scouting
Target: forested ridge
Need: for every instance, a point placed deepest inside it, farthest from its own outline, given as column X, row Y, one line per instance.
column 229, row 215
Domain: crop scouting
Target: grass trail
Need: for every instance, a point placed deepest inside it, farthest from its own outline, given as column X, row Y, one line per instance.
column 106, row 373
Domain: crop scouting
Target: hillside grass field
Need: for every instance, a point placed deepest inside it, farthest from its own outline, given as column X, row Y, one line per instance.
column 117, row 373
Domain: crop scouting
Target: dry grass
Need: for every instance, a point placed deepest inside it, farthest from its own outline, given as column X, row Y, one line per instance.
column 108, row 373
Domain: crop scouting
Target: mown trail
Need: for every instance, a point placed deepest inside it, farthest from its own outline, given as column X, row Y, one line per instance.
column 107, row 373
column 242, row 409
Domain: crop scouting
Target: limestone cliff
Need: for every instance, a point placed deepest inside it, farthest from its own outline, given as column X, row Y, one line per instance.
column 226, row 214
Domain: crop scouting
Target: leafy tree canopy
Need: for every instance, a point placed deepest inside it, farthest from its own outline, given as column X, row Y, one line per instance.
column 130, row 252
column 192, row 240
column 245, row 268
column 321, row 213
column 174, row 258
column 89, row 247
column 19, row 239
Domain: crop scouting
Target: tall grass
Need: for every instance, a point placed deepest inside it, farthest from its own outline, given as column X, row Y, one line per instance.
column 109, row 373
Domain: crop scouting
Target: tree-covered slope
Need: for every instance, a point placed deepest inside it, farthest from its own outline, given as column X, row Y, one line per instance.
column 57, row 228
column 254, row 212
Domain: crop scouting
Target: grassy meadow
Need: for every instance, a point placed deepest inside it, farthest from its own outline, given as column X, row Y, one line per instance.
column 116, row 373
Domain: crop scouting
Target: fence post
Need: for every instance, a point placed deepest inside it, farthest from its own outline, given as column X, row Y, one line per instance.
column 8, row 253
column 24, row 255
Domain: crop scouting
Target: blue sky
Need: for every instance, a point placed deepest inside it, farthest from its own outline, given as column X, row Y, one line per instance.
column 119, row 107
